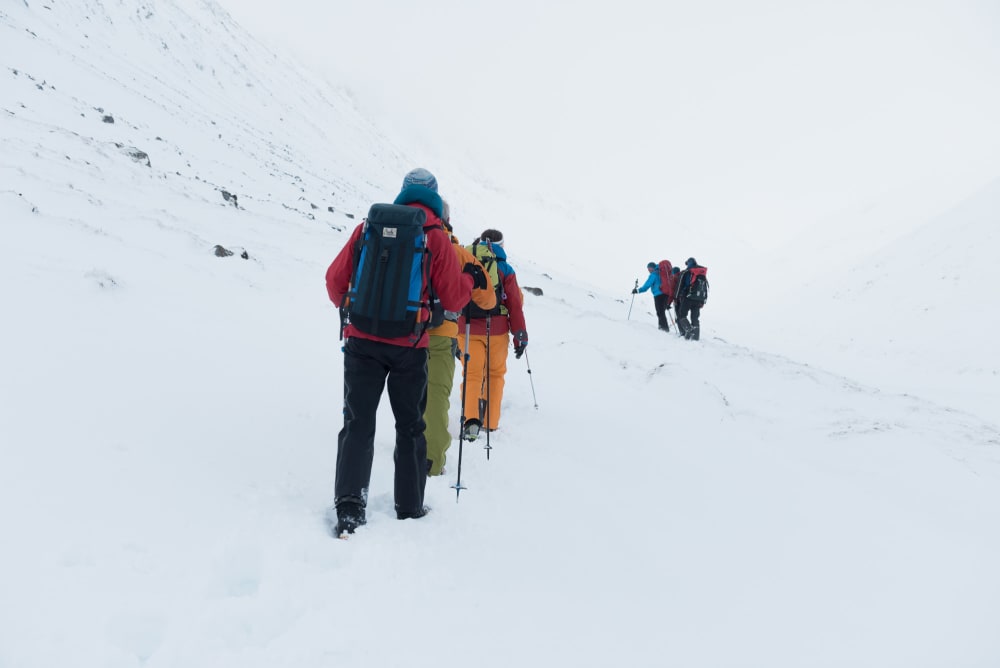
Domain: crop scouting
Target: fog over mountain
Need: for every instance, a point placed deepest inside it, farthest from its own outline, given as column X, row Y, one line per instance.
column 791, row 147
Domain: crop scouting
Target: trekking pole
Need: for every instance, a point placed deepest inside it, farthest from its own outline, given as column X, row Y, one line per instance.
column 530, row 379
column 461, row 426
column 630, row 305
column 487, row 421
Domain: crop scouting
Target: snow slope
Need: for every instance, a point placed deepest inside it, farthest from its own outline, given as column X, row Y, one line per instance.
column 168, row 418
column 913, row 314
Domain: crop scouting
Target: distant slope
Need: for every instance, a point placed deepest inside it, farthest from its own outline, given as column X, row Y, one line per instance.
column 86, row 85
column 918, row 314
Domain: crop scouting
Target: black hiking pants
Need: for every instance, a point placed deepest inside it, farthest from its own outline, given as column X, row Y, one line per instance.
column 662, row 303
column 367, row 365
column 692, row 329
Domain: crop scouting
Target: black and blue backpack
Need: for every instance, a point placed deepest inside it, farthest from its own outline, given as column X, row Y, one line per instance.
column 391, row 263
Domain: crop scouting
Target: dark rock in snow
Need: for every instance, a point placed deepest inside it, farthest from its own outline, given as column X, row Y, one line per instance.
column 222, row 252
column 139, row 156
column 108, row 119
column 136, row 154
column 535, row 291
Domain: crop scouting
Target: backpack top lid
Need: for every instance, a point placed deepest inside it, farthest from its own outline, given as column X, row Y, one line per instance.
column 396, row 214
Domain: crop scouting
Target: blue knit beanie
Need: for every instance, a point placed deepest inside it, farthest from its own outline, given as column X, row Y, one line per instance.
column 651, row 265
column 420, row 177
column 691, row 262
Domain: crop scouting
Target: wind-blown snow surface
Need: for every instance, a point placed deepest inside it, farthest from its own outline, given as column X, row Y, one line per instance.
column 168, row 420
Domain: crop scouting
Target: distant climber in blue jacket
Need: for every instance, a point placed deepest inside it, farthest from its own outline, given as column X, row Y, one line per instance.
column 661, row 299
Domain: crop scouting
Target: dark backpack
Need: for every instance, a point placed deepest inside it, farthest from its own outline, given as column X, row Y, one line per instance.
column 384, row 298
column 666, row 271
column 483, row 250
column 697, row 290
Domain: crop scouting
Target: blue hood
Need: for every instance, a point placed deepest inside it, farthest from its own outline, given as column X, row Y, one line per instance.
column 501, row 259
column 421, row 195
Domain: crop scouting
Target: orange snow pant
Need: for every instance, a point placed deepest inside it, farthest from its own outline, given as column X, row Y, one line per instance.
column 475, row 375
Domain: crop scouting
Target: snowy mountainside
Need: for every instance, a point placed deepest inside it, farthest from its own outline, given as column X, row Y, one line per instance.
column 913, row 315
column 168, row 418
column 178, row 88
column 88, row 84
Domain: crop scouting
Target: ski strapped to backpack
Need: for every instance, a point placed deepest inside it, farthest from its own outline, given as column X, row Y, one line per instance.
column 697, row 290
column 483, row 250
column 391, row 267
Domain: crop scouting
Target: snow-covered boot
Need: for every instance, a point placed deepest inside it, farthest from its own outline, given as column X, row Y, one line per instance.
column 683, row 326
column 349, row 517
column 470, row 431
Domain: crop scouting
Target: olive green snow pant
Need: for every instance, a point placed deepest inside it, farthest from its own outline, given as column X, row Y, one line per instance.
column 440, row 380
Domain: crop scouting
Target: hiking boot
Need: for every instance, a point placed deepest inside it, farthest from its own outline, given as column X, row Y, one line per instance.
column 470, row 432
column 416, row 515
column 349, row 517
column 695, row 333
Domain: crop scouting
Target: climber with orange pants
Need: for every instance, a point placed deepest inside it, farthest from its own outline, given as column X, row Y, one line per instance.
column 490, row 335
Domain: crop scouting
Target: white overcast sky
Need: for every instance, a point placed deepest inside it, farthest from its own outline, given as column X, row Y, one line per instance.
column 764, row 115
